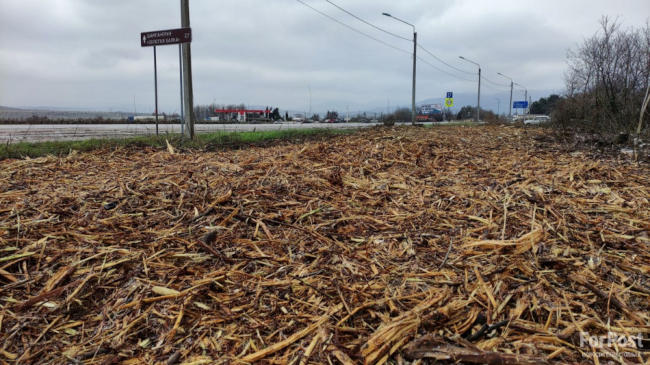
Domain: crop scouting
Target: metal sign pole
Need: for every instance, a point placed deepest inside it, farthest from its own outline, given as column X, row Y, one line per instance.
column 155, row 78
column 182, row 36
column 526, row 99
column 180, row 67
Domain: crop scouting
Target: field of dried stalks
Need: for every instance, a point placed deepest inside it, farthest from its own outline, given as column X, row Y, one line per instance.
column 479, row 245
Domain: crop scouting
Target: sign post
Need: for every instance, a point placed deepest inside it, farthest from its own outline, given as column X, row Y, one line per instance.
column 180, row 71
column 166, row 37
column 155, row 81
column 520, row 104
column 523, row 104
column 449, row 100
column 162, row 38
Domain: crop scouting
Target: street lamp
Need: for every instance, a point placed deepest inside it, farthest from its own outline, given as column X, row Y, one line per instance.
column 478, row 107
column 511, row 86
column 415, row 48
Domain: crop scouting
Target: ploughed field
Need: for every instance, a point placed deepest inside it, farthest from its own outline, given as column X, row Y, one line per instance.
column 479, row 245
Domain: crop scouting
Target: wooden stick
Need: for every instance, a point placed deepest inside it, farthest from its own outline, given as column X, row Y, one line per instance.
column 291, row 339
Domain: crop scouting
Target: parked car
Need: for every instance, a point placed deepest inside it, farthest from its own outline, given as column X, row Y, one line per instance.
column 538, row 120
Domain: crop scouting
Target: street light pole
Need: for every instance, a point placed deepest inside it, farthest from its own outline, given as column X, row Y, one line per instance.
column 511, row 87
column 478, row 106
column 310, row 114
column 415, row 48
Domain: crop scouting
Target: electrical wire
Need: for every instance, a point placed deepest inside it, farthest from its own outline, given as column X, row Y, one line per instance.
column 492, row 87
column 442, row 61
column 400, row 37
column 353, row 29
column 494, row 83
column 368, row 23
column 443, row 71
column 392, row 46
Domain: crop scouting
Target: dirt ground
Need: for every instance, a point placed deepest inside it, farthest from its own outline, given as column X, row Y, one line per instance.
column 470, row 244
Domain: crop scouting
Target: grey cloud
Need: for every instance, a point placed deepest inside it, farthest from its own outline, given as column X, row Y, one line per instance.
column 86, row 53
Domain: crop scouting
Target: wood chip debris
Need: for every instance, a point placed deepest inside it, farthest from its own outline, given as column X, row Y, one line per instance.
column 390, row 245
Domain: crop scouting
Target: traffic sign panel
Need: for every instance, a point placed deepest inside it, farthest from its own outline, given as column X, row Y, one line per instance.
column 450, row 95
column 166, row 37
column 449, row 102
column 520, row 104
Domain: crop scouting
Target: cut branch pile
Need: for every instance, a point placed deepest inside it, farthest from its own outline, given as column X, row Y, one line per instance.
column 473, row 245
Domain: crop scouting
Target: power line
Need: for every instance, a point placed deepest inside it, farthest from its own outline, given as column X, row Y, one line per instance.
column 494, row 83
column 400, row 37
column 441, row 61
column 353, row 29
column 491, row 87
column 368, row 23
column 388, row 44
column 443, row 71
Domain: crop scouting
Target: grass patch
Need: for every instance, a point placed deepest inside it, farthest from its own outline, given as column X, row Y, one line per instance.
column 203, row 142
column 465, row 123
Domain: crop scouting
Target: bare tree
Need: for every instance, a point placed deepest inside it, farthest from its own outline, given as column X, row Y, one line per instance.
column 607, row 78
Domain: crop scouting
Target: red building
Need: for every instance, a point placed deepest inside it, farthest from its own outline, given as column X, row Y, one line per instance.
column 241, row 115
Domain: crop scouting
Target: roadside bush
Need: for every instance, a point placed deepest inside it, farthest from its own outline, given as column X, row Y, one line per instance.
column 402, row 115
column 469, row 112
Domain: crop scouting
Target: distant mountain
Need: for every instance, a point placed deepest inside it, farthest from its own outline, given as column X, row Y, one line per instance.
column 60, row 109
column 9, row 113
column 9, row 108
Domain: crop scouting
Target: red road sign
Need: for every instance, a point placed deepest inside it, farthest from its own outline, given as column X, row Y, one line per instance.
column 166, row 37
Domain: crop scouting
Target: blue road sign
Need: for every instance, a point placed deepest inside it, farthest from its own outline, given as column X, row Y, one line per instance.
column 450, row 95
column 520, row 104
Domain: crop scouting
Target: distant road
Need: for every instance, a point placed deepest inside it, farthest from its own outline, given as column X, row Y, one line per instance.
column 70, row 132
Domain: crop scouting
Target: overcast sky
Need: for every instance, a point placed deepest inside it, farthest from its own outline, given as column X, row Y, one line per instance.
column 87, row 54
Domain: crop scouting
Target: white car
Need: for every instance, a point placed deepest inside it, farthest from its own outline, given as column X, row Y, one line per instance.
column 538, row 120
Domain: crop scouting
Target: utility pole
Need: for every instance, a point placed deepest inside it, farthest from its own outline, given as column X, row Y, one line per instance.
column 188, row 95
column 478, row 108
column 415, row 48
column 310, row 114
column 478, row 103
column 511, row 87
column 512, row 84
